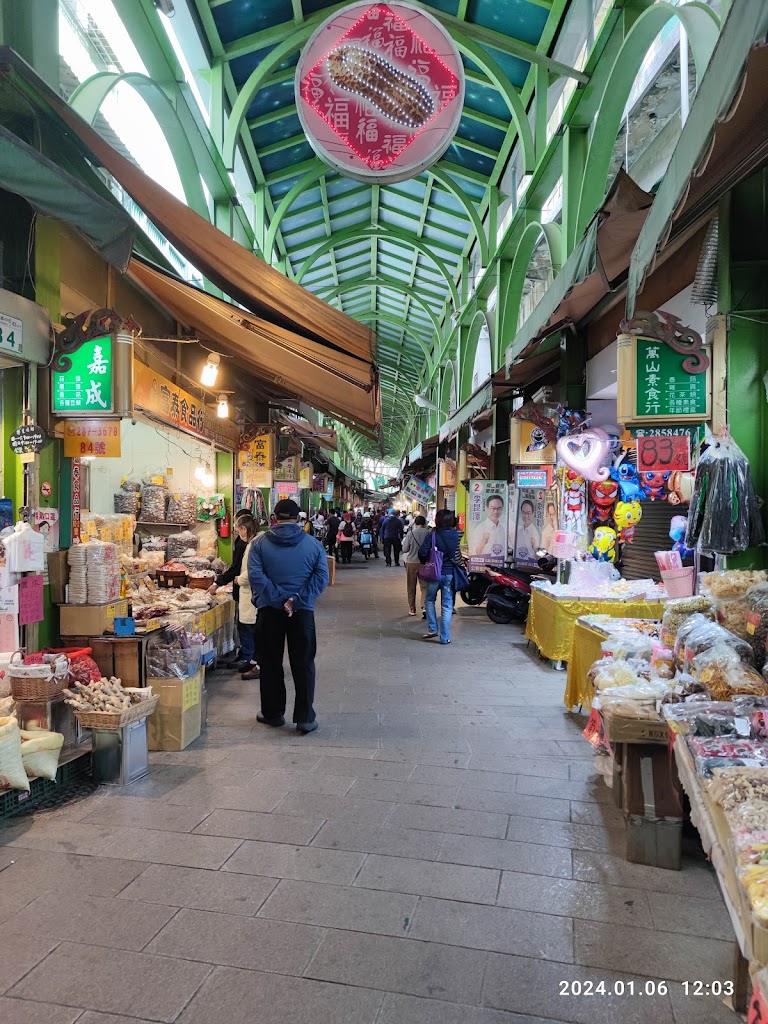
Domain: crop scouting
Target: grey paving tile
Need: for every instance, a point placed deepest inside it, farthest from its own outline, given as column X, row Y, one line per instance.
column 21, row 1011
column 399, row 965
column 588, row 790
column 364, row 768
column 528, row 986
column 19, row 954
column 701, row 1009
column 172, row 848
column 574, row 899
column 513, row 803
column 511, row 765
column 696, row 878
column 240, row 997
column 690, row 915
column 404, row 792
column 60, row 836
column 477, row 778
column 89, row 1017
column 271, row 828
column 199, row 889
column 200, row 757
column 602, row 814
column 253, row 943
column 306, row 782
column 662, row 954
column 99, row 876
column 253, row 796
column 115, row 981
column 394, row 842
column 306, row 863
column 440, row 819
column 427, row 878
column 415, row 752
column 508, row 855
column 257, row 755
column 71, row 917
column 334, row 808
column 566, row 833
column 398, row 1009
column 134, row 812
column 333, row 906
column 494, row 928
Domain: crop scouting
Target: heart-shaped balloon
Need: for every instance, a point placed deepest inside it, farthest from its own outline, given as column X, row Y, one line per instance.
column 586, row 453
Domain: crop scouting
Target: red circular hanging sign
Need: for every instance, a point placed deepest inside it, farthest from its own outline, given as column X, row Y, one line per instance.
column 380, row 90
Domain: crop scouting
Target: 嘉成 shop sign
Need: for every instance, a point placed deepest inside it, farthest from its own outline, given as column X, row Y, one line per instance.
column 664, row 372
column 85, row 387
column 380, row 90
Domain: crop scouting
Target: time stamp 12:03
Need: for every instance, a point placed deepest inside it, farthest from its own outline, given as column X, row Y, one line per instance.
column 644, row 988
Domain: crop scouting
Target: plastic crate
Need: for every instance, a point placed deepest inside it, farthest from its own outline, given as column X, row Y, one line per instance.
column 69, row 777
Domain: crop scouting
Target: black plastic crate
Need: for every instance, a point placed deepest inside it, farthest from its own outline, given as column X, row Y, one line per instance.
column 74, row 778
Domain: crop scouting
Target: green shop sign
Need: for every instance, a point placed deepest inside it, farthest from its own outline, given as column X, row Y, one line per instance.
column 86, row 387
column 654, row 387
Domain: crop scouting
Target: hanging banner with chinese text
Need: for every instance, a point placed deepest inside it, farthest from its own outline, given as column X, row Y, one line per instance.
column 98, row 438
column 487, row 526
column 255, row 460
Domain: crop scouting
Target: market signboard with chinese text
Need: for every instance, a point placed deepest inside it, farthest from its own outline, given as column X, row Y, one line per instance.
column 380, row 90
column 419, row 491
column 97, row 438
column 160, row 397
column 86, row 388
column 655, row 388
column 255, row 460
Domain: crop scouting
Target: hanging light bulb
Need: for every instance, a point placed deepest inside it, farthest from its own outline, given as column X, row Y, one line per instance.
column 222, row 410
column 208, row 479
column 199, row 471
column 210, row 370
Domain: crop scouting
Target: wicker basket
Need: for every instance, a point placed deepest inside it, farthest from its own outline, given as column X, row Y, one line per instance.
column 35, row 682
column 115, row 720
column 201, row 582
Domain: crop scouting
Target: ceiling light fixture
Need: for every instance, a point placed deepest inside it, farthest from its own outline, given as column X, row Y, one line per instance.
column 222, row 409
column 210, row 370
column 424, row 403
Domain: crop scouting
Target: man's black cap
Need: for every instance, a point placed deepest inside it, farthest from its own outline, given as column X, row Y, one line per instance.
column 287, row 509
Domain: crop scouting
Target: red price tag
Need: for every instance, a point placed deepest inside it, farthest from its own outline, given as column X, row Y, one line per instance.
column 664, row 454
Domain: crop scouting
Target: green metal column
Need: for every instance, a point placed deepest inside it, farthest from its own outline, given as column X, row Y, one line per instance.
column 224, row 485
column 31, row 27
column 575, row 146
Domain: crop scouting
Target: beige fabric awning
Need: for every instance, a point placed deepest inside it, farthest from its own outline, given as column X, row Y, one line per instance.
column 334, row 383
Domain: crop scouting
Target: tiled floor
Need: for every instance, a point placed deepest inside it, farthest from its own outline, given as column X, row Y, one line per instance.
column 439, row 852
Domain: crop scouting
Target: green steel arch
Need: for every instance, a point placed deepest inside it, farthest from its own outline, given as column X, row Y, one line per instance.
column 381, row 281
column 703, row 28
column 296, row 40
column 447, row 378
column 447, row 181
column 88, row 98
column 468, row 354
column 526, row 247
column 400, row 324
column 396, row 235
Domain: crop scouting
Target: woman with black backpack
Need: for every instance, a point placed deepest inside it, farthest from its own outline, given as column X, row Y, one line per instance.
column 346, row 539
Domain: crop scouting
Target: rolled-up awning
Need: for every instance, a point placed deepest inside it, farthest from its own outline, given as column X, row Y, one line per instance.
column 334, row 383
column 595, row 267
column 322, row 437
column 237, row 271
column 724, row 140
column 482, row 399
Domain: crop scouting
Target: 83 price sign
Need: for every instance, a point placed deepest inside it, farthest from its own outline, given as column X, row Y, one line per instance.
column 664, row 454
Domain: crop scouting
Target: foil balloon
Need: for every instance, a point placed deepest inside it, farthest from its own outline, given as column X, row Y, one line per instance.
column 627, row 515
column 586, row 453
column 603, row 546
column 677, row 531
column 545, row 417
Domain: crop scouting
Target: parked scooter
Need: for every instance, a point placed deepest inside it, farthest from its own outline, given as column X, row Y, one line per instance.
column 366, row 543
column 509, row 590
column 477, row 591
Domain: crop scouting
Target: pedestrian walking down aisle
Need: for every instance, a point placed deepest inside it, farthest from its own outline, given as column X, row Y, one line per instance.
column 438, row 852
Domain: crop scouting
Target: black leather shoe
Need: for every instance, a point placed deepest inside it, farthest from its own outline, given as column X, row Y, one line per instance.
column 274, row 722
column 242, row 666
column 306, row 727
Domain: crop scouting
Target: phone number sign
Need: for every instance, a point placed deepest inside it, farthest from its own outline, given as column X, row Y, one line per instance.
column 664, row 454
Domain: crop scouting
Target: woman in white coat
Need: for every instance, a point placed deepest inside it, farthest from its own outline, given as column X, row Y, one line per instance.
column 246, row 527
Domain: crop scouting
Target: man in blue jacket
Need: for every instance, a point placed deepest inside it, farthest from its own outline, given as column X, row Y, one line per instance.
column 391, row 532
column 287, row 570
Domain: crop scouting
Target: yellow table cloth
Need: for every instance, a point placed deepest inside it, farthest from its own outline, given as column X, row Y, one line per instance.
column 585, row 650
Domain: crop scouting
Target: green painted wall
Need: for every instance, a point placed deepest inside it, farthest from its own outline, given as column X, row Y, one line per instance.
column 224, row 484
column 744, row 294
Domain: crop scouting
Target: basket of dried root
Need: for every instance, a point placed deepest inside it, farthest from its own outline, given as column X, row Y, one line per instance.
column 106, row 704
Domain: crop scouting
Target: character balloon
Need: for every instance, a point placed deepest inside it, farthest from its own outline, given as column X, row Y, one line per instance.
column 629, row 482
column 627, row 515
column 603, row 495
column 603, row 546
column 677, row 531
column 586, row 453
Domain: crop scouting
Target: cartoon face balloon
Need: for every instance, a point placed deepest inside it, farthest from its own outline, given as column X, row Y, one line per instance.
column 586, row 453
